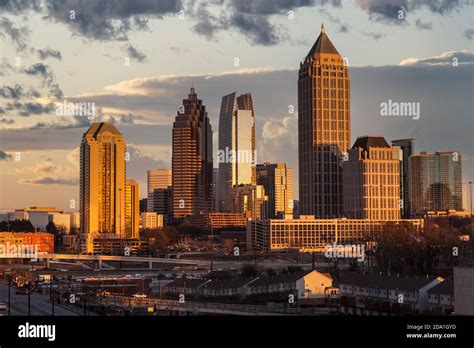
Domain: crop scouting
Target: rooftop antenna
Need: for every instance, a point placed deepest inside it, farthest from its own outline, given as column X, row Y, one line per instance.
column 322, row 28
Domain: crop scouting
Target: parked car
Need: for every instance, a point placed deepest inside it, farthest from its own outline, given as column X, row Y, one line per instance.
column 21, row 291
column 3, row 306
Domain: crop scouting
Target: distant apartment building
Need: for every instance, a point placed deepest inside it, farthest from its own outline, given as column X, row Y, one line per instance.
column 372, row 180
column 407, row 149
column 277, row 180
column 151, row 220
column 75, row 221
column 236, row 153
column 162, row 203
column 102, row 183
column 436, row 182
column 12, row 243
column 157, row 179
column 132, row 208
column 217, row 220
column 192, row 165
column 251, row 201
column 308, row 234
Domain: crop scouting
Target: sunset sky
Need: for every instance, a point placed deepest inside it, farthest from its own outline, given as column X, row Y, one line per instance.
column 47, row 56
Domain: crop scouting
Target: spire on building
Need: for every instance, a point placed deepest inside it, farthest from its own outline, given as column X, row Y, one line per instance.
column 322, row 44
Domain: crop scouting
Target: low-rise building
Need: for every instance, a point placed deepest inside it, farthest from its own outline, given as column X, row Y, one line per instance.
column 308, row 234
column 151, row 220
column 217, row 221
column 382, row 294
column 14, row 243
column 441, row 297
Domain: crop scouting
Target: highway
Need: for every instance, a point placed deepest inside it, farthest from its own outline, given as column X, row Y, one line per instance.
column 40, row 304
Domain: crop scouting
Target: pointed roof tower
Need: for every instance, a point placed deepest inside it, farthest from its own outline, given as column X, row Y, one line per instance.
column 322, row 45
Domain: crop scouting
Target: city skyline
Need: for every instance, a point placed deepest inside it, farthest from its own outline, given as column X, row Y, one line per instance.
column 52, row 164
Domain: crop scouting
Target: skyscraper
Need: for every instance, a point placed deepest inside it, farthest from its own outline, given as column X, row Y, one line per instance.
column 323, row 128
column 102, row 183
column 236, row 155
column 372, row 180
column 192, row 159
column 277, row 179
column 132, row 208
column 436, row 182
column 407, row 147
column 157, row 179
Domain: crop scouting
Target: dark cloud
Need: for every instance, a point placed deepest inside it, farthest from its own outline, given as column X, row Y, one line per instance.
column 250, row 18
column 469, row 34
column 30, row 108
column 179, row 50
column 373, row 35
column 48, row 79
column 18, row 92
column 18, row 35
column 135, row 54
column 342, row 28
column 49, row 53
column 4, row 156
column 110, row 20
column 6, row 121
column 49, row 181
column 387, row 11
column 423, row 26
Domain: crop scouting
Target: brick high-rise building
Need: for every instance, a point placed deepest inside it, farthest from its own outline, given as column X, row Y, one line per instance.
column 372, row 180
column 102, row 183
column 323, row 128
column 192, row 167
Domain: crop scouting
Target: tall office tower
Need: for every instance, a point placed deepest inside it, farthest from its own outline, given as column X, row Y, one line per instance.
column 132, row 208
column 215, row 180
column 323, row 128
column 277, row 179
column 236, row 155
column 192, row 159
column 157, row 179
column 163, row 203
column 251, row 201
column 372, row 180
column 436, row 182
column 407, row 148
column 102, row 183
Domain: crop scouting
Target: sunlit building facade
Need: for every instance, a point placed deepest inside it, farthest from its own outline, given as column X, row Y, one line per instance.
column 436, row 182
column 323, row 128
column 372, row 180
column 236, row 155
column 132, row 208
column 192, row 166
column 102, row 183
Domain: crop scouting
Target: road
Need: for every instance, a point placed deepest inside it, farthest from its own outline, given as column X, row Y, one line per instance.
column 40, row 304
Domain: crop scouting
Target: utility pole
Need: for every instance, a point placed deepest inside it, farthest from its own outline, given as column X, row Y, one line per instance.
column 51, row 294
column 212, row 247
column 9, row 291
column 29, row 299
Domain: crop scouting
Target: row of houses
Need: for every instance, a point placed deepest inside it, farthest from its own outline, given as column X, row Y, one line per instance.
column 355, row 293
column 310, row 285
column 382, row 294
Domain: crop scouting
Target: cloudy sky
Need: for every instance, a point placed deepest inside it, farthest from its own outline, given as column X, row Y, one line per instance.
column 137, row 59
